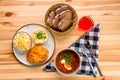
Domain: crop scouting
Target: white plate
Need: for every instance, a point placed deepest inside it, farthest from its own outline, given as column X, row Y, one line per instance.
column 50, row 44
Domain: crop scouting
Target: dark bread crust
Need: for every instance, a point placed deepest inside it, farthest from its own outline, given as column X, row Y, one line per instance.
column 56, row 21
column 50, row 18
column 67, row 14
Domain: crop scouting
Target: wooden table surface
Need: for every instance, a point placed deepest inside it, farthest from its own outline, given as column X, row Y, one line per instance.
column 16, row 13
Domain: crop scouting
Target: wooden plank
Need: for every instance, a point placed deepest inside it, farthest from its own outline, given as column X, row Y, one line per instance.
column 16, row 13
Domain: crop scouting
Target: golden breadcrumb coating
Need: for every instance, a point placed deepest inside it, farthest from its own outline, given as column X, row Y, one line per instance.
column 37, row 54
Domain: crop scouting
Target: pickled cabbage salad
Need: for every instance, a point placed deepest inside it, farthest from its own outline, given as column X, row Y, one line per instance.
column 22, row 41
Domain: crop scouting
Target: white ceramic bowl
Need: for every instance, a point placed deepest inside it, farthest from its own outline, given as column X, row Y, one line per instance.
column 78, row 63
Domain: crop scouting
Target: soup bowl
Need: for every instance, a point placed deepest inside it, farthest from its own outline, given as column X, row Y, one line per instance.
column 67, row 62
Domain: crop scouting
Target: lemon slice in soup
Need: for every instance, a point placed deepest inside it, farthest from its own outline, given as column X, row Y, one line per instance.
column 67, row 66
column 40, row 36
column 66, row 60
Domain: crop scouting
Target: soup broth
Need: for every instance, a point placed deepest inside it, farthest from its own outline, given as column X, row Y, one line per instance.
column 75, row 61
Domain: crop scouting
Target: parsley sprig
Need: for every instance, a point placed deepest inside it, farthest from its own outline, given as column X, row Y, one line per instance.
column 67, row 58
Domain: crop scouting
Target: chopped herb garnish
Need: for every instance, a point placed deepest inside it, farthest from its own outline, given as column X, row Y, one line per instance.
column 39, row 35
column 67, row 58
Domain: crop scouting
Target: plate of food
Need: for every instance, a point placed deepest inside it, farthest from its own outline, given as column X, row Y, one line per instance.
column 33, row 44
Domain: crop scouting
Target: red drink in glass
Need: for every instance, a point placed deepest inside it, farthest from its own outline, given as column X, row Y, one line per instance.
column 86, row 23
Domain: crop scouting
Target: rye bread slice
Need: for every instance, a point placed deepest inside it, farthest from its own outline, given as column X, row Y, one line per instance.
column 64, row 24
column 50, row 18
column 67, row 14
column 55, row 21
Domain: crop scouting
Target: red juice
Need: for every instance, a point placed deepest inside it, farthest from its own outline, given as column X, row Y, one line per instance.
column 86, row 23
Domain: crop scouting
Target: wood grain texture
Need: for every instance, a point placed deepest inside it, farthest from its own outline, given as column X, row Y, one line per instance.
column 16, row 13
